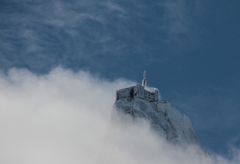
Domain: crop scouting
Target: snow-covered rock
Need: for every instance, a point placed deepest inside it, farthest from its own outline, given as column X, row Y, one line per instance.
column 142, row 101
column 165, row 119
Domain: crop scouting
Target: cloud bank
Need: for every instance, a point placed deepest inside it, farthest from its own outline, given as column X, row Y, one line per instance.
column 67, row 117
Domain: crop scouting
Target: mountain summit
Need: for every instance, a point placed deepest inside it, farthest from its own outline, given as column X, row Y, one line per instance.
column 143, row 101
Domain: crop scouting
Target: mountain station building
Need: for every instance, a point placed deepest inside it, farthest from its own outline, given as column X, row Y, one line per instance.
column 139, row 91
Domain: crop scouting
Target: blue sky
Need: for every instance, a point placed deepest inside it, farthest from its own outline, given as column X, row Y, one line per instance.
column 190, row 49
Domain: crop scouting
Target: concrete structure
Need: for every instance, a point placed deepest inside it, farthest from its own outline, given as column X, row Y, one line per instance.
column 139, row 91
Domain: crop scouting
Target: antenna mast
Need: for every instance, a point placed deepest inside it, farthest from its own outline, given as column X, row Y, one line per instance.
column 144, row 81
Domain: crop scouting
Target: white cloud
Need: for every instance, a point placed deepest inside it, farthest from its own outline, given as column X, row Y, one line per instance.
column 66, row 117
column 176, row 16
column 62, row 31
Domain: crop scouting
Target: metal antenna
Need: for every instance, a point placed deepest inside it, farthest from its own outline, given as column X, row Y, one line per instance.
column 144, row 81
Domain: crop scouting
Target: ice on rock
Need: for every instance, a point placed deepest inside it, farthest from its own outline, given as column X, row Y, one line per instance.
column 142, row 101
